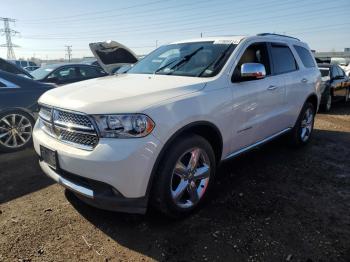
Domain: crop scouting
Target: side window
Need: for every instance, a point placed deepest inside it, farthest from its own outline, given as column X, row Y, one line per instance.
column 340, row 72
column 283, row 59
column 334, row 72
column 305, row 56
column 66, row 73
column 88, row 72
column 24, row 63
column 255, row 53
column 32, row 64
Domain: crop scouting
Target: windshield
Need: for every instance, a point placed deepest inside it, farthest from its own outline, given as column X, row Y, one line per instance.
column 196, row 59
column 41, row 72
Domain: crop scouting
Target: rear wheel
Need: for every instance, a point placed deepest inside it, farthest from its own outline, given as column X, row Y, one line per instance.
column 347, row 95
column 328, row 102
column 302, row 131
column 15, row 130
column 184, row 178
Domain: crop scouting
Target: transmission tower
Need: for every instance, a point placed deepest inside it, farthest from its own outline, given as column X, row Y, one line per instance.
column 69, row 52
column 8, row 32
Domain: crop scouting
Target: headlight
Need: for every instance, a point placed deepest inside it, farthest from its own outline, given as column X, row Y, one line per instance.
column 124, row 126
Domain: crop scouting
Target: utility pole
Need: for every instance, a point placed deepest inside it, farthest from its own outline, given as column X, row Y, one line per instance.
column 69, row 52
column 8, row 32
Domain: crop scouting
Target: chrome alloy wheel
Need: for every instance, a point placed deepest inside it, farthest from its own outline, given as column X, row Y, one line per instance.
column 190, row 178
column 15, row 130
column 307, row 125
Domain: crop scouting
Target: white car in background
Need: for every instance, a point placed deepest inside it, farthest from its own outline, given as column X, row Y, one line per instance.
column 157, row 133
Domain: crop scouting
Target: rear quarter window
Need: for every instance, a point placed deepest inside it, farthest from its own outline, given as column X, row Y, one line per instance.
column 305, row 56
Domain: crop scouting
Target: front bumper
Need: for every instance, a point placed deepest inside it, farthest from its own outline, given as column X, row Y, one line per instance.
column 124, row 166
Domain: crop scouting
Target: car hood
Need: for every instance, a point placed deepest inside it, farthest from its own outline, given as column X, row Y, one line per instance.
column 127, row 93
column 111, row 55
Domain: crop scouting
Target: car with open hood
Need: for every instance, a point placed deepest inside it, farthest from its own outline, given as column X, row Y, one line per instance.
column 156, row 134
column 112, row 55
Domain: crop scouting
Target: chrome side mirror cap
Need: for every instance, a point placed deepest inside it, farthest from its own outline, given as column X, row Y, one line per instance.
column 253, row 71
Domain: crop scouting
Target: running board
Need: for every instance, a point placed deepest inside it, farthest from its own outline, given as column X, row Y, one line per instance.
column 245, row 149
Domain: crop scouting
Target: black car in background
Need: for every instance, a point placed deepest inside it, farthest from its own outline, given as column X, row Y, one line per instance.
column 61, row 74
column 12, row 68
column 18, row 109
column 335, row 85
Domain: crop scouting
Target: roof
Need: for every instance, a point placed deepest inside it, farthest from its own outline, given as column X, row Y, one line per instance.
column 235, row 39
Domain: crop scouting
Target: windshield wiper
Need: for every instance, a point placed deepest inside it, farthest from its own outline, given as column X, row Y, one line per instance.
column 186, row 58
column 165, row 66
column 216, row 61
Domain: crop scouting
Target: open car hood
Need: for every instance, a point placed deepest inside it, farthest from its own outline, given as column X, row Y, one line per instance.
column 112, row 55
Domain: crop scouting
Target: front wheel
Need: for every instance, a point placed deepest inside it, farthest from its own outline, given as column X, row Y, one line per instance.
column 15, row 130
column 302, row 131
column 184, row 178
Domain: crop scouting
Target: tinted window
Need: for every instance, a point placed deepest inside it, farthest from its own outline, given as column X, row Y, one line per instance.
column 87, row 72
column 18, row 63
column 283, row 59
column 32, row 64
column 66, row 73
column 305, row 56
column 340, row 71
column 24, row 63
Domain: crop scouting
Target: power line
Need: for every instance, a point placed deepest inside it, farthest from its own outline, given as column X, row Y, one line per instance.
column 203, row 28
column 69, row 52
column 8, row 32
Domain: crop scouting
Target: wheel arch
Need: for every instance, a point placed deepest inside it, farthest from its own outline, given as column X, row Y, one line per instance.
column 25, row 110
column 206, row 129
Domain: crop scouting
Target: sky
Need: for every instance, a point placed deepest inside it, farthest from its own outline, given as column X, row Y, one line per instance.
column 46, row 26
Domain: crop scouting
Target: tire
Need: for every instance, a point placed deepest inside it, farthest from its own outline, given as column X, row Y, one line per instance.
column 178, row 193
column 16, row 128
column 301, row 133
column 327, row 105
column 347, row 95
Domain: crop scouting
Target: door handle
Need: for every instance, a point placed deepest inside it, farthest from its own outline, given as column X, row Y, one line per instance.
column 304, row 80
column 271, row 87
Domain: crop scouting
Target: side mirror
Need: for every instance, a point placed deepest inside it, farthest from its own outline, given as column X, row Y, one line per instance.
column 253, row 71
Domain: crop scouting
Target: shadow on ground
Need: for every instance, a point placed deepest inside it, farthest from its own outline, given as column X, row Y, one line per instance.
column 266, row 205
column 20, row 174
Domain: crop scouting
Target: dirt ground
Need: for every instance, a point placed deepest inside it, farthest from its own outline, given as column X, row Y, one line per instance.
column 272, row 204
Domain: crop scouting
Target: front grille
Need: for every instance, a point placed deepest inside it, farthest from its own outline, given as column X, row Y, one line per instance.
column 75, row 129
column 73, row 119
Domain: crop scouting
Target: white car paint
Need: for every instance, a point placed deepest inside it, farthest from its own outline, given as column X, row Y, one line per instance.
column 244, row 113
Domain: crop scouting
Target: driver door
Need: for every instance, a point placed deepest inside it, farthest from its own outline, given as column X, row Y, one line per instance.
column 255, row 101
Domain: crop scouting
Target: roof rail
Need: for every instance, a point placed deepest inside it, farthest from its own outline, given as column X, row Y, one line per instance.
column 272, row 34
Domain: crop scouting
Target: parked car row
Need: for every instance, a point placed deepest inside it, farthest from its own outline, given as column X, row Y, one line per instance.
column 335, row 85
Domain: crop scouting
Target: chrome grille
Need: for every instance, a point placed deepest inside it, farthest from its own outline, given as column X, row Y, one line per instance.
column 75, row 129
column 77, row 120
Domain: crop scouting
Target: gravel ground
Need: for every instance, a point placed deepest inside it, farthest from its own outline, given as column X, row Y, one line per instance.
column 272, row 204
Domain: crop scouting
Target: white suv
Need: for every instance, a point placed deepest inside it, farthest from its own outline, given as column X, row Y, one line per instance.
column 157, row 133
